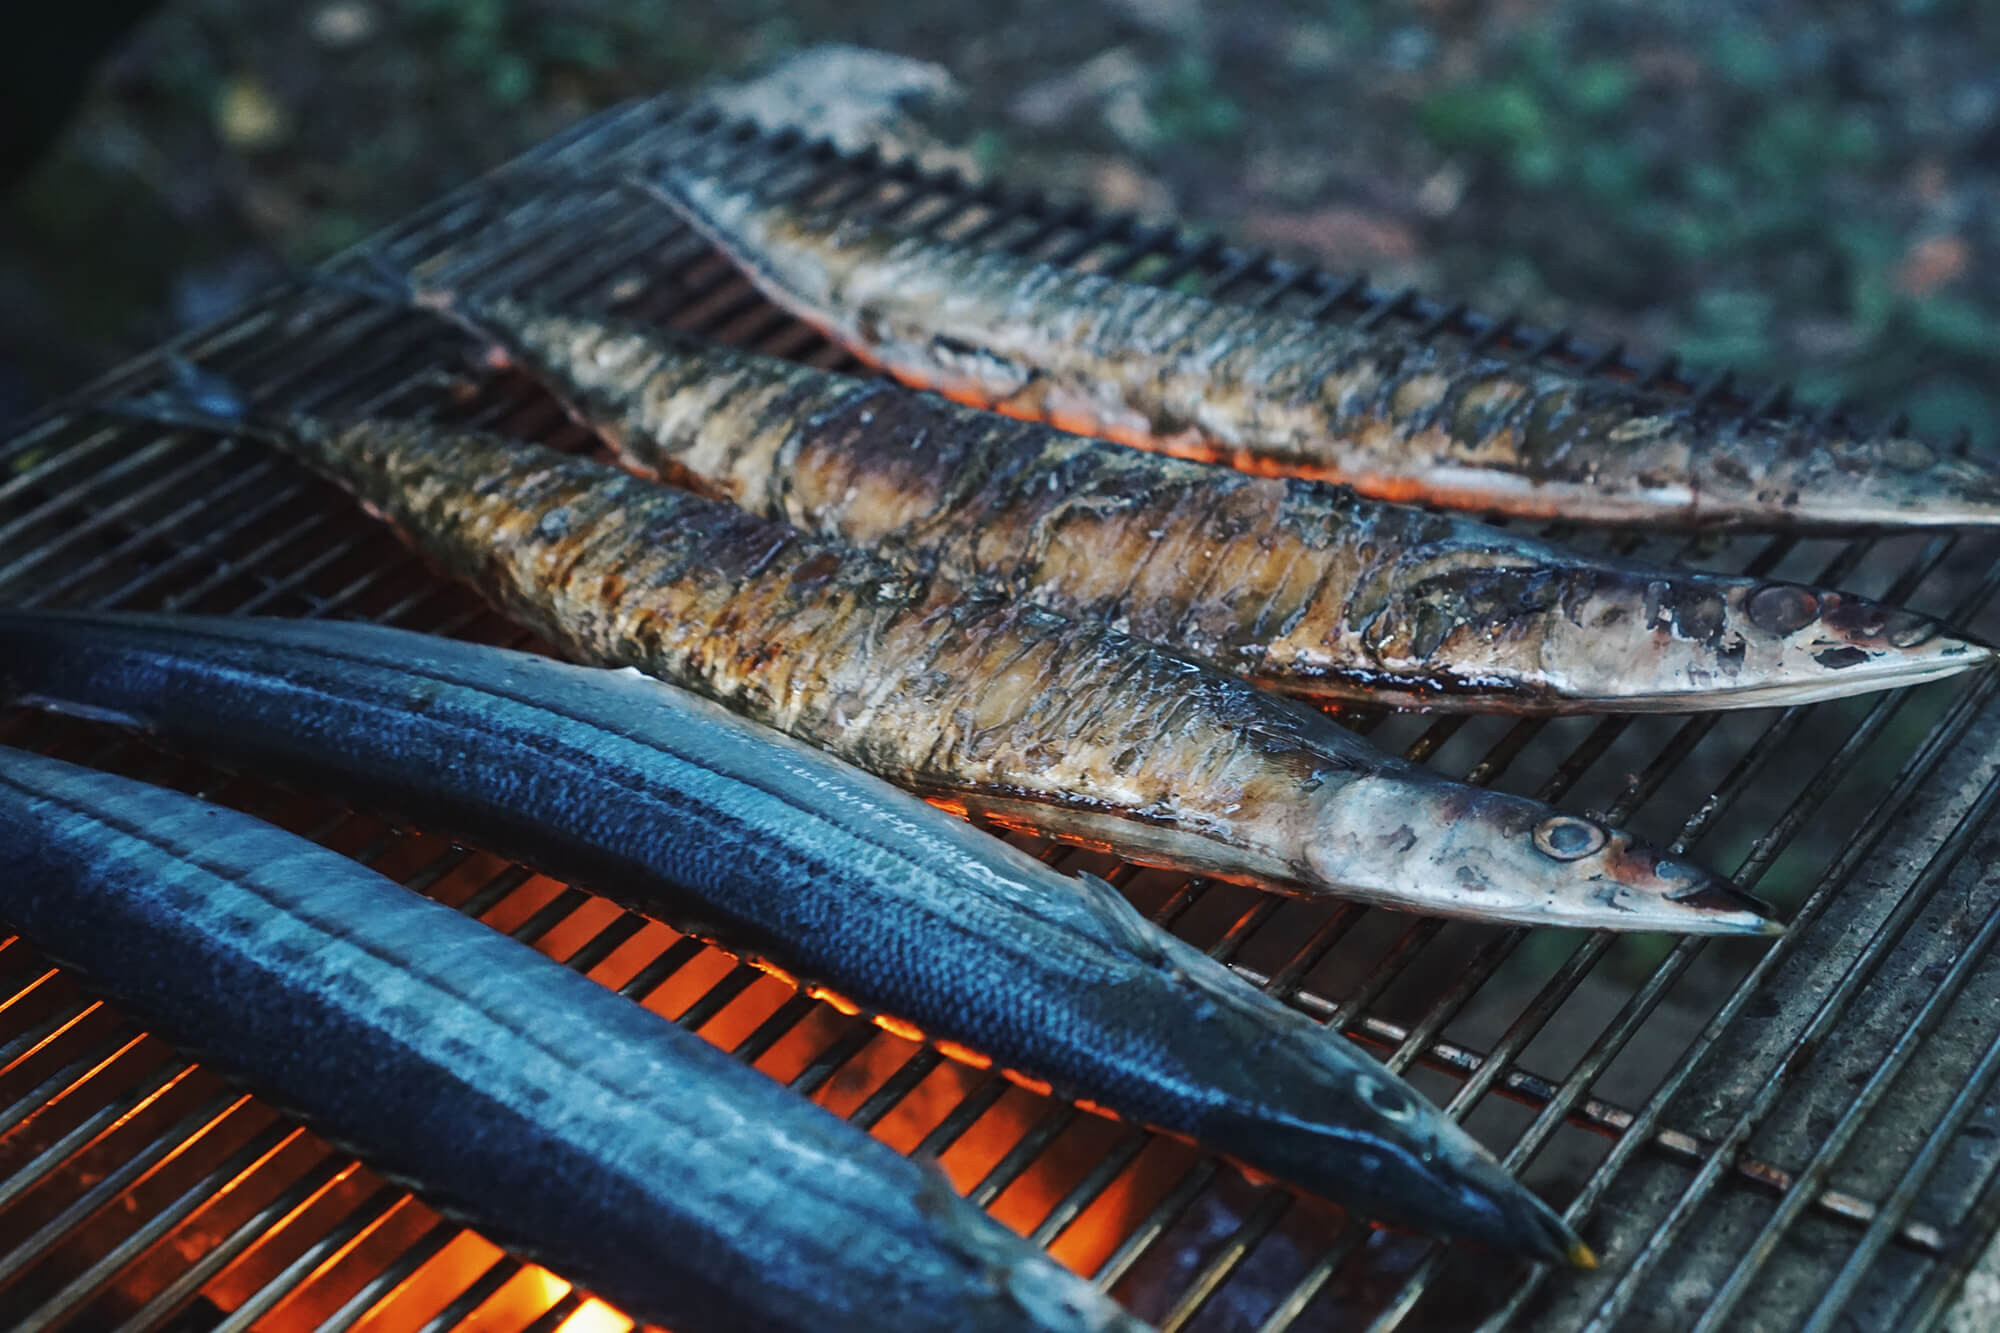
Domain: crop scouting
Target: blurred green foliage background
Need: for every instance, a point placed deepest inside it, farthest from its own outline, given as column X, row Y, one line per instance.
column 1803, row 191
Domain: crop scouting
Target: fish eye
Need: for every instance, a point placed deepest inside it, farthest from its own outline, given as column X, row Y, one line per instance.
column 1567, row 838
column 1385, row 1097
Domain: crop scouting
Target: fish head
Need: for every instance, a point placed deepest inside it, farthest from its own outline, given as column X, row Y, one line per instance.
column 1407, row 838
column 1388, row 1154
column 1674, row 640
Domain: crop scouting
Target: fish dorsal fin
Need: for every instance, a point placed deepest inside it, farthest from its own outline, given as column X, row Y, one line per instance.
column 1110, row 910
column 1210, row 984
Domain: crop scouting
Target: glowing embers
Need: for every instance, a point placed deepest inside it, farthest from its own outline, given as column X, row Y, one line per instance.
column 471, row 1284
column 1036, row 1163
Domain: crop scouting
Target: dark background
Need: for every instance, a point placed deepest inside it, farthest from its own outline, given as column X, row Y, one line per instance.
column 1801, row 190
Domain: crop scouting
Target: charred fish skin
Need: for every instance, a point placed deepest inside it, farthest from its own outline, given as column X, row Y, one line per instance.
column 631, row 1156
column 1275, row 394
column 1297, row 585
column 671, row 801
column 1068, row 728
column 1072, row 729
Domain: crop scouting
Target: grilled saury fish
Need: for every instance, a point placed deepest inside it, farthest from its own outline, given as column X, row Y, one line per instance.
column 1000, row 707
column 1295, row 584
column 568, row 1123
column 680, row 808
column 1277, row 394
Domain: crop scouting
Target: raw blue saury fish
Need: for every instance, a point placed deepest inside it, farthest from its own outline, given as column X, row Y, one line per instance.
column 563, row 1120
column 674, row 805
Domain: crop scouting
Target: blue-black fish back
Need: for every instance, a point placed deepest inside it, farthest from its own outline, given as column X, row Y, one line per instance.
column 564, row 1120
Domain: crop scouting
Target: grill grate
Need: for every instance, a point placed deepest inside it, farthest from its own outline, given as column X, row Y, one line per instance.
column 1775, row 1135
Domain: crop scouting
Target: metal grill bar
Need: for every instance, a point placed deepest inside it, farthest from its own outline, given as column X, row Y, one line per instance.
column 1642, row 1004
column 1821, row 1166
column 1930, row 1307
column 1904, row 1197
column 245, row 1161
column 275, row 1216
column 378, row 1291
column 177, row 522
column 1917, row 769
column 1858, row 972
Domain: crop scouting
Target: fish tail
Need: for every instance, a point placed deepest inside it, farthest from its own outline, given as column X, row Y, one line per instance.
column 668, row 185
column 382, row 280
column 379, row 279
column 499, row 341
column 196, row 398
column 713, row 211
column 737, row 219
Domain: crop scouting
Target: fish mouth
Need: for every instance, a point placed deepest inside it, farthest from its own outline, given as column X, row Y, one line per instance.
column 1835, row 517
column 1511, row 1218
column 1698, row 642
column 1864, row 677
column 1707, row 909
column 1553, row 1240
column 1843, row 485
column 1746, row 913
column 1833, row 669
column 1652, row 890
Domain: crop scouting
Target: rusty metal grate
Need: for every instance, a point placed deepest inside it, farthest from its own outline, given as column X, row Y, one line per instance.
column 1793, row 1135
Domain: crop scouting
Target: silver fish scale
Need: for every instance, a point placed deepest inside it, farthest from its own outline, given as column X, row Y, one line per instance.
column 1859, row 1058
